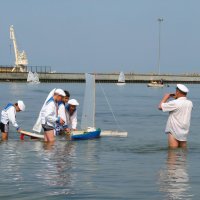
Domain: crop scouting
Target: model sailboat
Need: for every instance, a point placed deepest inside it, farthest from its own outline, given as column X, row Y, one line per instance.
column 33, row 78
column 88, row 116
column 30, row 76
column 121, row 79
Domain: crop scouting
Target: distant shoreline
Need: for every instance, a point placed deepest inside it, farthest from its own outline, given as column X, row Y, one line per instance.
column 101, row 77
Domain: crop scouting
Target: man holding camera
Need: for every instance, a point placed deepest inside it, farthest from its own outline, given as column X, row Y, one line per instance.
column 178, row 122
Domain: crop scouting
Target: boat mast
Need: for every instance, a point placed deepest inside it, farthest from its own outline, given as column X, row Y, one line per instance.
column 94, row 100
column 21, row 60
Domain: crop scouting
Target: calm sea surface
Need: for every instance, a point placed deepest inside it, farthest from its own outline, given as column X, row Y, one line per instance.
column 137, row 167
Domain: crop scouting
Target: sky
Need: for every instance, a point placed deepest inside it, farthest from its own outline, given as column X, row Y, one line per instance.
column 103, row 35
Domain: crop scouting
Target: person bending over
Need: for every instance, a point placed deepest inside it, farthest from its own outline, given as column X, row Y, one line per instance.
column 49, row 115
column 8, row 114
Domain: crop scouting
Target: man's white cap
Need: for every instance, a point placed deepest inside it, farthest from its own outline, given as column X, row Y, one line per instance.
column 60, row 92
column 73, row 102
column 21, row 105
column 182, row 88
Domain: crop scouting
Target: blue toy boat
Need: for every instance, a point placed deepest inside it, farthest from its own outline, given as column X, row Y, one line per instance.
column 87, row 135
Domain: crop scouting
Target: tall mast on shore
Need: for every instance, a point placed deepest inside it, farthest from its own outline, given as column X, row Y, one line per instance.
column 21, row 60
column 159, row 40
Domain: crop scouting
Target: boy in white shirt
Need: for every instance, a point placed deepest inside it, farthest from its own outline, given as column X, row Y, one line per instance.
column 8, row 114
column 49, row 115
column 62, row 112
column 71, row 114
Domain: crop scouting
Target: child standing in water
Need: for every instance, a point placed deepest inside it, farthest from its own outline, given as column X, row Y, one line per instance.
column 8, row 114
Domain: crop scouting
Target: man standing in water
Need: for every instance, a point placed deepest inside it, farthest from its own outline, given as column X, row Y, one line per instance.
column 8, row 114
column 178, row 122
column 49, row 115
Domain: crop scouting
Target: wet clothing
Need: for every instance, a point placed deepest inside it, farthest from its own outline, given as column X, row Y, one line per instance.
column 8, row 114
column 178, row 123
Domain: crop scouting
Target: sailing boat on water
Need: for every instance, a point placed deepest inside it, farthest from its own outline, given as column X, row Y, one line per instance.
column 33, row 77
column 36, row 78
column 89, row 131
column 121, row 79
column 30, row 76
column 156, row 84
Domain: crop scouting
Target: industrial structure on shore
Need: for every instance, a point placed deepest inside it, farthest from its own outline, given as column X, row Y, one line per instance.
column 21, row 60
column 100, row 77
column 19, row 72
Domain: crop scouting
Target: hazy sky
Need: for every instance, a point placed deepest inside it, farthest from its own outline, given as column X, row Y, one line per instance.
column 103, row 35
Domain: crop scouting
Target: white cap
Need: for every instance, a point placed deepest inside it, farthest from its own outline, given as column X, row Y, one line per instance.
column 73, row 102
column 21, row 105
column 60, row 92
column 182, row 88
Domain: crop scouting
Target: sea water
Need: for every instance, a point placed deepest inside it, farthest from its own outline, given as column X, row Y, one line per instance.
column 137, row 167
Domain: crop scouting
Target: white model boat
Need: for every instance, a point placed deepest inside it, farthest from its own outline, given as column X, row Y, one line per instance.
column 121, row 79
column 30, row 77
column 33, row 77
column 88, row 116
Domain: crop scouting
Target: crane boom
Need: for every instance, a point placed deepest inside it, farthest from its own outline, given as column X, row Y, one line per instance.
column 21, row 60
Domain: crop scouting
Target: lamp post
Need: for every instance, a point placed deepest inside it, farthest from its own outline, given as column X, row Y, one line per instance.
column 159, row 38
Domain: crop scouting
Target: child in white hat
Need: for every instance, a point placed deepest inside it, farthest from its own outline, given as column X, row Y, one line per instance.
column 8, row 114
column 71, row 114
column 49, row 115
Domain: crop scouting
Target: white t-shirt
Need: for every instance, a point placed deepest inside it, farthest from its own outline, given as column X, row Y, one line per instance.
column 49, row 113
column 72, row 119
column 178, row 123
column 8, row 114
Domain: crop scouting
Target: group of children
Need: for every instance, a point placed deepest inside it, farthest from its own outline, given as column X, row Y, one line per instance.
column 57, row 114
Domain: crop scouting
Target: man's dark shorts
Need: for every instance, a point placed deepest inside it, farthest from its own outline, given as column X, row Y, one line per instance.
column 46, row 127
column 4, row 127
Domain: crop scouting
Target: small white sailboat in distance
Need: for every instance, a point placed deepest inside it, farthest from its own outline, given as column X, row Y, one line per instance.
column 36, row 78
column 33, row 78
column 30, row 76
column 121, row 79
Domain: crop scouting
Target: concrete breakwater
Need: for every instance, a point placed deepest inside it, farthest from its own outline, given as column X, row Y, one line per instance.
column 100, row 77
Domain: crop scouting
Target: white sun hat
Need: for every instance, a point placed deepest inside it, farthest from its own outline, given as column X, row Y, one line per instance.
column 182, row 88
column 60, row 92
column 73, row 102
column 21, row 105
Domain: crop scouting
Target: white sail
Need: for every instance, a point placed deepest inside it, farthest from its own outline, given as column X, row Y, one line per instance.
column 36, row 78
column 88, row 115
column 30, row 76
column 121, row 78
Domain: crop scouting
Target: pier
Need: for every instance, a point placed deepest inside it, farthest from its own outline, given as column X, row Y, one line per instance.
column 100, row 77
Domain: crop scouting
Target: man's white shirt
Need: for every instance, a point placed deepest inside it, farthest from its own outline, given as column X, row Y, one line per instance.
column 178, row 123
